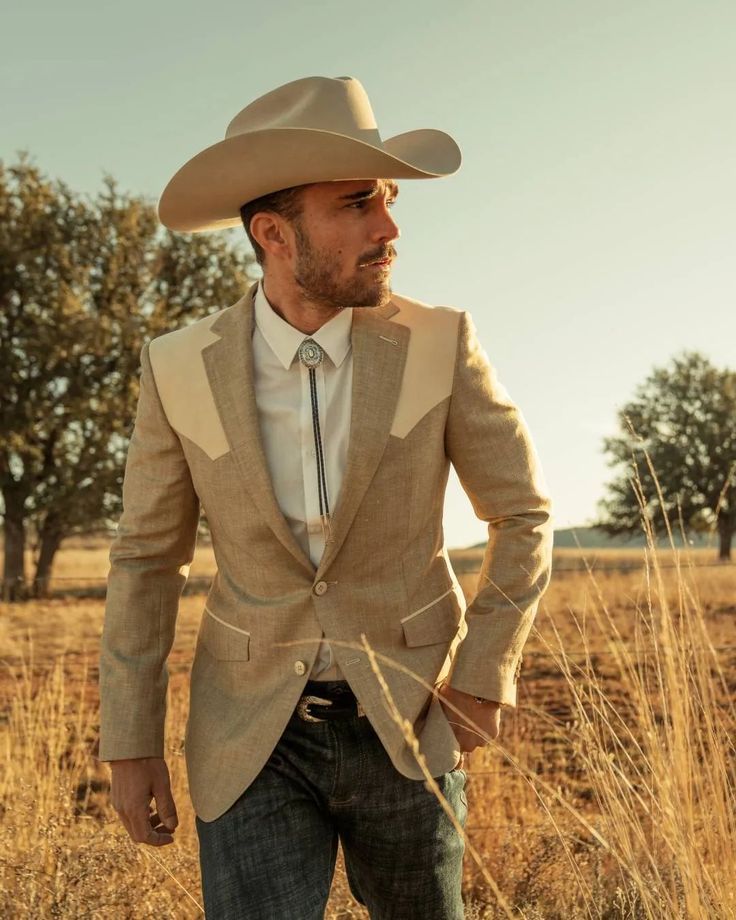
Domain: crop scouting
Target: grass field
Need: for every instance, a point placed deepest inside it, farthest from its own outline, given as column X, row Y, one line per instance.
column 610, row 792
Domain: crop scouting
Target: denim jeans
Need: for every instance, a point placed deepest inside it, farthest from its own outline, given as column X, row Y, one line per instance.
column 271, row 855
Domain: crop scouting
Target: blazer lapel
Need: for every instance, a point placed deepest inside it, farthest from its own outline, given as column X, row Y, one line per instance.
column 379, row 356
column 229, row 365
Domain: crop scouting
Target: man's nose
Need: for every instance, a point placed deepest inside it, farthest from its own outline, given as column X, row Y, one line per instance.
column 387, row 228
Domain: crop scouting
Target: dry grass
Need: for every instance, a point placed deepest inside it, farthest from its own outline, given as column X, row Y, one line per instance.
column 83, row 563
column 609, row 794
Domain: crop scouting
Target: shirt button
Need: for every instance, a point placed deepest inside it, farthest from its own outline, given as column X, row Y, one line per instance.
column 320, row 588
column 299, row 667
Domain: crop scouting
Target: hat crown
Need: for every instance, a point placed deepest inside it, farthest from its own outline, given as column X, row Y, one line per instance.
column 316, row 129
column 338, row 104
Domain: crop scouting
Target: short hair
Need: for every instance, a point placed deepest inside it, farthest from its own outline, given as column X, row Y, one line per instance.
column 287, row 202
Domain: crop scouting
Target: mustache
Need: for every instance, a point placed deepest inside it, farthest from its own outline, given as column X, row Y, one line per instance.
column 380, row 256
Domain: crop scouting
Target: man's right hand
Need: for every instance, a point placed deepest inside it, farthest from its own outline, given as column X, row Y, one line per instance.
column 134, row 783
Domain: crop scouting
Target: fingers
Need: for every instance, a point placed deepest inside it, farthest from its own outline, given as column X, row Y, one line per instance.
column 134, row 783
column 469, row 738
column 164, row 800
column 126, row 824
column 142, row 830
column 150, row 830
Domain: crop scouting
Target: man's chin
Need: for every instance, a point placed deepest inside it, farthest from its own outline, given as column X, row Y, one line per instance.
column 376, row 297
column 355, row 295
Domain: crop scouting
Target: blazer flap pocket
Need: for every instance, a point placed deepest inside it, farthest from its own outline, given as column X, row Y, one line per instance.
column 436, row 621
column 222, row 639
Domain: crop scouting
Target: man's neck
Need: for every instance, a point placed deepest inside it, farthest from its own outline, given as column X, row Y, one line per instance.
column 295, row 309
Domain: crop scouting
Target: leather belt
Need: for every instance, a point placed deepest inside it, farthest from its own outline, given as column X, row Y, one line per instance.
column 324, row 700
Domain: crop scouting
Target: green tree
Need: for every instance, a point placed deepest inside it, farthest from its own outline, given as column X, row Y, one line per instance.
column 684, row 417
column 83, row 284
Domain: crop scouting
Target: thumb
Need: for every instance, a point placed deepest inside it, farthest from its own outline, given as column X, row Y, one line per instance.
column 165, row 806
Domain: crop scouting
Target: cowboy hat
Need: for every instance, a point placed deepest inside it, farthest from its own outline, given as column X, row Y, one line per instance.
column 317, row 129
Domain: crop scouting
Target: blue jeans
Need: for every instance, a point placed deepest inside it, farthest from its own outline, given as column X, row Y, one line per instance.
column 271, row 855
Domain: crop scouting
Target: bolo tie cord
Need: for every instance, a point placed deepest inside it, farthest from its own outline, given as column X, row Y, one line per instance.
column 312, row 355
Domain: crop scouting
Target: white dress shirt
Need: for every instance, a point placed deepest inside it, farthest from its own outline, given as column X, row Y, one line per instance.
column 285, row 413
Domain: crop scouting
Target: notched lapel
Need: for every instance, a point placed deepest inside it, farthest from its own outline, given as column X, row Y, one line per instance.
column 229, row 365
column 379, row 355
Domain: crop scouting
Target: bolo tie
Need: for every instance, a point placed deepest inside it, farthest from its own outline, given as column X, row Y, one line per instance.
column 311, row 355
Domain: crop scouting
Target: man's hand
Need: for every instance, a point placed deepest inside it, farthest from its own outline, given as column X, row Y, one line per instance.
column 487, row 716
column 134, row 783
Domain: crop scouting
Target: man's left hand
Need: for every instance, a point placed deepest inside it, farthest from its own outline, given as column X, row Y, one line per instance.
column 486, row 715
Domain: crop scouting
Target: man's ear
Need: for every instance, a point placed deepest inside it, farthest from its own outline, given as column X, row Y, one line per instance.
column 271, row 232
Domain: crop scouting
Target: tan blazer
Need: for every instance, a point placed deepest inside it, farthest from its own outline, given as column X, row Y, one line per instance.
column 424, row 395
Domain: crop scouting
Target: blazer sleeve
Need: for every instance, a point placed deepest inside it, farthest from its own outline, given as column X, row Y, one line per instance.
column 149, row 564
column 489, row 444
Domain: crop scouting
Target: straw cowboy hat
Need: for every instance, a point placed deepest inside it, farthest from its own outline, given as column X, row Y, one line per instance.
column 317, row 129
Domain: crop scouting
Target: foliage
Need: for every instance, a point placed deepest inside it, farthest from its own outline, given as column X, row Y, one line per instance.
column 83, row 284
column 681, row 424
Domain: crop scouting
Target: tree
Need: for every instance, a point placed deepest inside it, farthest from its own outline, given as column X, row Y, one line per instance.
column 83, row 283
column 684, row 418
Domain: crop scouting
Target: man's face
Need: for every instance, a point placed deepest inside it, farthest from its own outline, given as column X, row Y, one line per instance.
column 343, row 227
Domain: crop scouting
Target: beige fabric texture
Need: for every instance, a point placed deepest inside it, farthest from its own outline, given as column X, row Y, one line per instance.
column 424, row 396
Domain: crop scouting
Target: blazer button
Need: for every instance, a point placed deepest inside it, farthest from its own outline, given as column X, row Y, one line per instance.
column 299, row 667
column 320, row 588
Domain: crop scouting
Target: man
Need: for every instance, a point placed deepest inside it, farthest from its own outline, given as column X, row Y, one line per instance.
column 314, row 421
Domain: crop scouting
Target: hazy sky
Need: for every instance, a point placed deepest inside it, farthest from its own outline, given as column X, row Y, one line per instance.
column 589, row 231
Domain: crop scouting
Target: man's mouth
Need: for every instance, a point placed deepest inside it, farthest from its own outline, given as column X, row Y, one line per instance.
column 382, row 262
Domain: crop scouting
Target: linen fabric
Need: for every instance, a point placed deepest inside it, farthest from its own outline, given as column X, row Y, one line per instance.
column 384, row 594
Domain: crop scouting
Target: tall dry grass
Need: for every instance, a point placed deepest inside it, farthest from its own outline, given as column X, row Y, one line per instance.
column 610, row 792
column 656, row 748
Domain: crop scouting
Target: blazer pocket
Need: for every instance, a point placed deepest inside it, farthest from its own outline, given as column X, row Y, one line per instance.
column 223, row 640
column 436, row 621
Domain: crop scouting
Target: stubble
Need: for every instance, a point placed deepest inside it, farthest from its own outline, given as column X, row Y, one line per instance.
column 319, row 283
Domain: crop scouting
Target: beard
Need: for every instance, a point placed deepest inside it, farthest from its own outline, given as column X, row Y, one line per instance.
column 313, row 274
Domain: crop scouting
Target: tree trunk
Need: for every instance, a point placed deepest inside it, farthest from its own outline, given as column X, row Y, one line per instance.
column 51, row 537
column 14, row 586
column 725, row 535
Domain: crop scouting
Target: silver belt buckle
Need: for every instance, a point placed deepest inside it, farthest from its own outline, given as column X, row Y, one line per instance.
column 304, row 701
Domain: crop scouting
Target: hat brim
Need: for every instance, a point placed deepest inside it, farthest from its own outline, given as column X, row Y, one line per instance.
column 209, row 190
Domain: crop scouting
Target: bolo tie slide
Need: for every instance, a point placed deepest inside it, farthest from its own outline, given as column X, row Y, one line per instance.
column 311, row 355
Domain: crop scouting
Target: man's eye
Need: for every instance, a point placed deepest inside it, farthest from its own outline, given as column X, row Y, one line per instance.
column 360, row 204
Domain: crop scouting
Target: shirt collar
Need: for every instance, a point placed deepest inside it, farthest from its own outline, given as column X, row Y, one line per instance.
column 284, row 340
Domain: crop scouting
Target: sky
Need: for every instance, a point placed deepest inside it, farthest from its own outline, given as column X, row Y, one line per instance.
column 589, row 231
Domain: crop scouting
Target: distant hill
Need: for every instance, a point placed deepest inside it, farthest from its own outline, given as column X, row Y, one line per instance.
column 593, row 538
